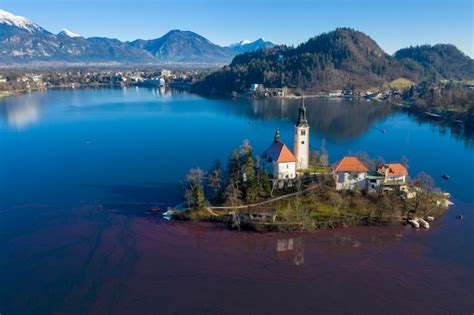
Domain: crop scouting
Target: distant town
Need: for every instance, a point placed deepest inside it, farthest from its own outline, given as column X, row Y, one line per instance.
column 402, row 93
column 14, row 82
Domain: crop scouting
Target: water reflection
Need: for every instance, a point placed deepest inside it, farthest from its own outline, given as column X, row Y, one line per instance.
column 339, row 120
column 20, row 112
column 342, row 242
column 463, row 132
column 293, row 245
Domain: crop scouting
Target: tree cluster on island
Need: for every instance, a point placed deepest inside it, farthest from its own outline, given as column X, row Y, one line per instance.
column 241, row 181
column 316, row 203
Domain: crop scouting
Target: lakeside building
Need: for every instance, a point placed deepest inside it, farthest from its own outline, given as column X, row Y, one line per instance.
column 350, row 173
column 393, row 172
column 394, row 177
column 278, row 160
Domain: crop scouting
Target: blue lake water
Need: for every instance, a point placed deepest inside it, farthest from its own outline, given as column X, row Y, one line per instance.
column 79, row 168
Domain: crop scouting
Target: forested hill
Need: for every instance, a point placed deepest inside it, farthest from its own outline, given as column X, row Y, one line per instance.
column 341, row 59
column 442, row 60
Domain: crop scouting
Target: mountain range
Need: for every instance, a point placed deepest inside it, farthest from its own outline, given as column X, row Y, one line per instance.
column 341, row 59
column 22, row 41
column 246, row 45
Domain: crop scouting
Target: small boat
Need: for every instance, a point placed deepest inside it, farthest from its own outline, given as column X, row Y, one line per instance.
column 461, row 216
column 154, row 210
column 445, row 176
column 429, row 218
column 433, row 116
column 423, row 223
column 414, row 223
column 88, row 142
column 168, row 215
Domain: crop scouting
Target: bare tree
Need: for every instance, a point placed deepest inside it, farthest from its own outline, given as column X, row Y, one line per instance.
column 424, row 181
column 404, row 161
column 232, row 193
column 193, row 191
column 214, row 181
column 323, row 157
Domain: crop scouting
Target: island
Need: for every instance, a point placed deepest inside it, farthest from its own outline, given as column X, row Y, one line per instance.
column 285, row 191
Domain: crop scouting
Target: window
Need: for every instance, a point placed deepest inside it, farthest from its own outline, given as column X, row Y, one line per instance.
column 302, row 142
column 303, row 132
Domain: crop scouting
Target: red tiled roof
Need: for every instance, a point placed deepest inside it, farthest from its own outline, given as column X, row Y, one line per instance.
column 279, row 152
column 350, row 164
column 393, row 169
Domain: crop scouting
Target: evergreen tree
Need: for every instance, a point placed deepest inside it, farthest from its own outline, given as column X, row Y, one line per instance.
column 246, row 156
column 250, row 184
column 264, row 183
column 233, row 167
column 314, row 158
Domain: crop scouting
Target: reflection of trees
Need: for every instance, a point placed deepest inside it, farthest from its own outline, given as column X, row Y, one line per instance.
column 337, row 119
column 462, row 132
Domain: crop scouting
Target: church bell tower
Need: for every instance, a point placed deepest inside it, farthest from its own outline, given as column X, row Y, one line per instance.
column 301, row 145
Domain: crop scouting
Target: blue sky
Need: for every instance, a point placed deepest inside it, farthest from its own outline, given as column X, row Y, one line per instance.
column 393, row 24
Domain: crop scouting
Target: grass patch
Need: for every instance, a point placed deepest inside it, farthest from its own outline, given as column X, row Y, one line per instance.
column 4, row 94
column 401, row 84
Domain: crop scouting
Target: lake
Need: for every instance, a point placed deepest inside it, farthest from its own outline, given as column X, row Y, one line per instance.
column 80, row 168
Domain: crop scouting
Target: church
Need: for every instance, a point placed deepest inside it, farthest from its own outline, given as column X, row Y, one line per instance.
column 278, row 161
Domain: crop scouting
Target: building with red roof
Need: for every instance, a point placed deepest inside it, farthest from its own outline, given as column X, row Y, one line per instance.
column 393, row 172
column 278, row 161
column 350, row 173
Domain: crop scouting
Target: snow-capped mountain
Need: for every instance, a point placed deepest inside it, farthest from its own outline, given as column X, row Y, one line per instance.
column 22, row 41
column 68, row 33
column 185, row 46
column 246, row 45
column 241, row 43
column 20, row 22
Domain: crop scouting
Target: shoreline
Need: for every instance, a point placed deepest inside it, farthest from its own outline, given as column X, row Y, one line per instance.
column 444, row 116
column 308, row 210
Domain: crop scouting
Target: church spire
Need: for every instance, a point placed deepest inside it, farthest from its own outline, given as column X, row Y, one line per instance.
column 277, row 136
column 302, row 121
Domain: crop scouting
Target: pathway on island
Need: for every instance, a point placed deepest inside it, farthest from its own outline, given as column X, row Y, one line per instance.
column 209, row 209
